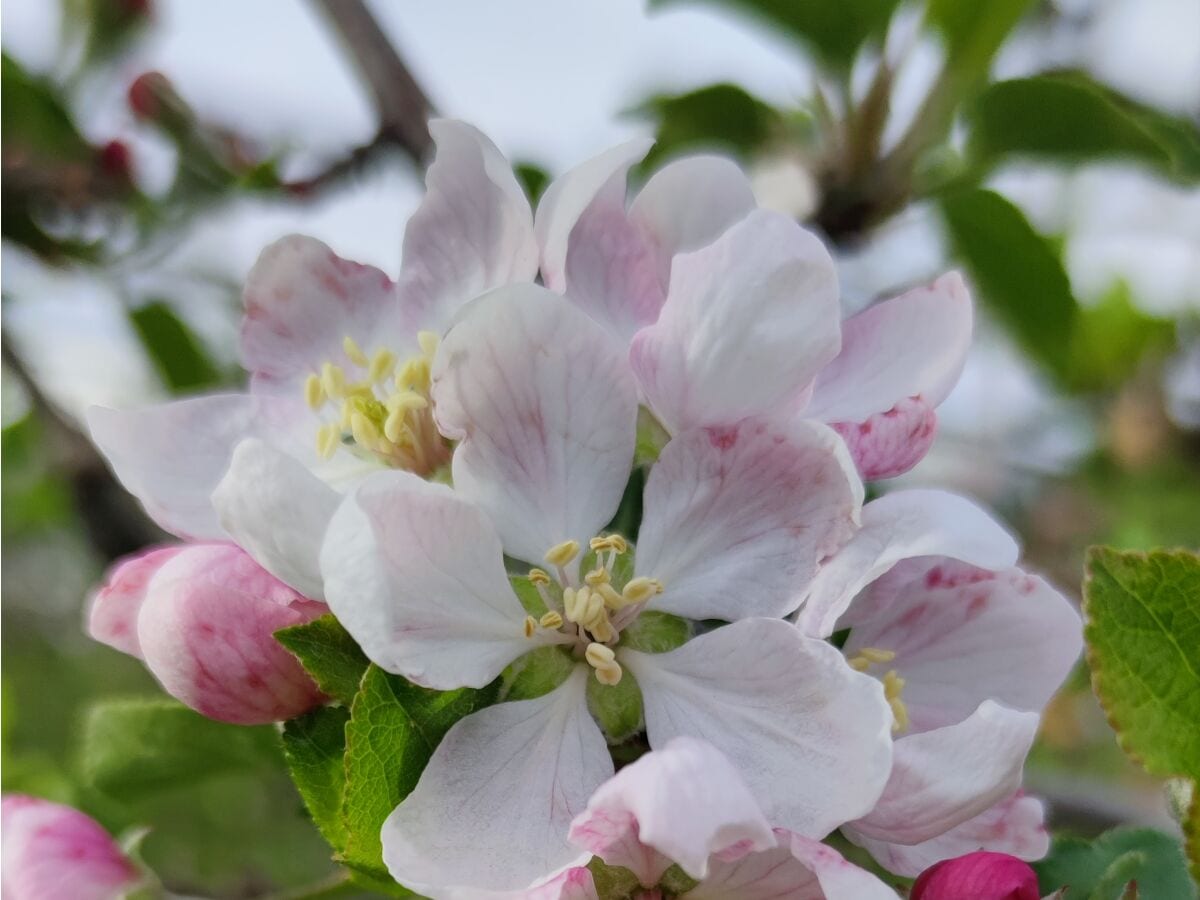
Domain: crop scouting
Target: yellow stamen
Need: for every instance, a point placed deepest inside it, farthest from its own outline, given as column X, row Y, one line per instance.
column 428, row 341
column 364, row 430
column 859, row 663
column 641, row 589
column 314, row 394
column 333, row 379
column 561, row 554
column 893, row 686
column 353, row 351
column 530, row 626
column 597, row 576
column 571, row 604
column 539, row 576
column 875, row 655
column 609, row 675
column 382, row 364
column 599, row 656
column 551, row 620
column 395, row 427
column 328, row 438
column 612, row 599
column 601, row 628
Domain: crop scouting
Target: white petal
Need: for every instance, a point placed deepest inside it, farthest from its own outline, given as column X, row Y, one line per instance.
column 546, row 413
column 689, row 203
column 912, row 345
column 737, row 519
column 302, row 300
column 748, row 322
column 172, row 456
column 416, row 574
column 942, row 778
column 113, row 608
column 890, row 443
column 568, row 196
column 495, row 802
column 472, row 232
column 963, row 635
column 682, row 803
column 277, row 510
column 811, row 737
column 900, row 526
column 799, row 868
column 1015, row 826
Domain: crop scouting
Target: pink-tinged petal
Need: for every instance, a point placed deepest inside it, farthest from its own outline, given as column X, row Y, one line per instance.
column 890, row 443
column 302, row 300
column 811, row 737
column 277, row 511
column 54, row 852
column 963, row 635
column 545, row 411
column 495, row 802
column 1015, row 826
column 944, row 777
column 207, row 629
column 738, row 518
column 913, row 345
column 171, row 456
column 748, row 322
column 472, row 232
column 682, row 804
column 798, row 868
column 113, row 609
column 566, row 199
column 416, row 574
column 899, row 526
column 980, row 876
column 689, row 203
column 574, row 883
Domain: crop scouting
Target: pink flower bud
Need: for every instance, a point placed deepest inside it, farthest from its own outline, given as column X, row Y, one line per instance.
column 203, row 617
column 54, row 852
column 145, row 92
column 978, row 876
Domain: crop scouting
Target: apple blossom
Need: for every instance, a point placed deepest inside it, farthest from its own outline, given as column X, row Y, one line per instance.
column 339, row 359
column 736, row 520
column 202, row 617
column 968, row 657
column 55, row 852
column 980, row 876
column 730, row 311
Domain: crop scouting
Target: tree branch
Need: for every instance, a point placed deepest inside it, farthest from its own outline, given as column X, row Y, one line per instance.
column 402, row 106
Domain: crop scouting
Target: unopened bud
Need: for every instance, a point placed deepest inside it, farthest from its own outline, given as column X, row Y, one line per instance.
column 980, row 876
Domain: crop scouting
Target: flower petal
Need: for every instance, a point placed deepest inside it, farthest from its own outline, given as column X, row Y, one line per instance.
column 569, row 195
column 798, row 868
column 963, row 635
column 171, row 456
column 811, row 737
column 689, row 203
column 738, row 518
column 207, row 632
column 302, row 300
column 748, row 322
column 1015, row 826
column 472, row 232
column 942, row 778
column 494, row 804
column 416, row 574
column 899, row 526
column 682, row 803
column 890, row 443
column 277, row 510
column 113, row 609
column 546, row 413
column 913, row 345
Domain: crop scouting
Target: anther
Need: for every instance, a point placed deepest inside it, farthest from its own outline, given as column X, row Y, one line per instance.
column 640, row 589
column 599, row 656
column 597, row 576
column 859, row 663
column 428, row 341
column 571, row 604
column 328, row 438
column 353, row 351
column 551, row 620
column 382, row 364
column 364, row 430
column 875, row 655
column 561, row 554
column 530, row 626
column 314, row 394
column 396, row 426
column 333, row 379
column 539, row 576
column 609, row 675
column 612, row 599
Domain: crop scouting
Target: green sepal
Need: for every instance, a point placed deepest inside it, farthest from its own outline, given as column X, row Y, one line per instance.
column 536, row 673
column 329, row 654
column 527, row 593
column 617, row 707
column 656, row 632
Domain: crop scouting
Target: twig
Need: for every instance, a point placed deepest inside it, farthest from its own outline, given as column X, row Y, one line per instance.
column 402, row 106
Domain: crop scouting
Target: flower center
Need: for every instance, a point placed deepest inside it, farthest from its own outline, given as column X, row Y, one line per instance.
column 590, row 611
column 385, row 413
column 893, row 684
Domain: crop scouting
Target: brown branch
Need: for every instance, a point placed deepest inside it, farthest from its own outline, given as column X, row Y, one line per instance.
column 402, row 106
column 115, row 524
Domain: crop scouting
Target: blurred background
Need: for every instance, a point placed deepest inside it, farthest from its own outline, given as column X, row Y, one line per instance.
column 151, row 148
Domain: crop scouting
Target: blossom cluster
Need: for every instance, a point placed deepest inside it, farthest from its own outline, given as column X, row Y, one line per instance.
column 612, row 452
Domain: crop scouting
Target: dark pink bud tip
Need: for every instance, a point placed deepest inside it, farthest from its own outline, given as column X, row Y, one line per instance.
column 146, row 94
column 116, row 160
column 978, row 876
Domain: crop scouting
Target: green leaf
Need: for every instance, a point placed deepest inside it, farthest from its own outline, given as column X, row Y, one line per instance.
column 1067, row 117
column 394, row 728
column 34, row 117
column 1111, row 338
column 1142, row 627
column 1101, row 869
column 834, row 30
column 533, row 178
column 313, row 746
column 139, row 746
column 1191, row 831
column 174, row 349
column 721, row 117
column 328, row 654
column 617, row 707
column 1020, row 276
column 973, row 32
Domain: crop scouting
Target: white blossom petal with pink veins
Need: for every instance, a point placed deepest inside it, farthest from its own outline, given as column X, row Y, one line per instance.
column 493, row 806
column 339, row 358
column 1015, row 825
